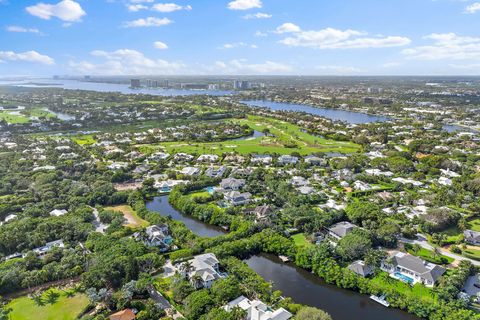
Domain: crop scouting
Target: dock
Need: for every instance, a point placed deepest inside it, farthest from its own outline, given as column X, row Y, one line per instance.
column 380, row 300
column 284, row 258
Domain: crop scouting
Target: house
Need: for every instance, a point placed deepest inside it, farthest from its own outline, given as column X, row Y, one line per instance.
column 41, row 251
column 360, row 268
column 472, row 237
column 237, row 199
column 257, row 310
column 58, row 213
column 159, row 156
column 361, row 186
column 341, row 229
column 444, row 181
column 411, row 269
column 306, row 190
column 299, row 181
column 207, row 158
column 190, row 171
column 202, row 271
column 314, row 161
column 262, row 214
column 167, row 186
column 183, row 157
column 156, row 236
column 261, row 158
column 286, row 159
column 378, row 172
column 232, row 184
column 126, row 314
column 213, row 172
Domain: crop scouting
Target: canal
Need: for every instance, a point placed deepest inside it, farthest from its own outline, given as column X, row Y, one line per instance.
column 164, row 208
column 305, row 288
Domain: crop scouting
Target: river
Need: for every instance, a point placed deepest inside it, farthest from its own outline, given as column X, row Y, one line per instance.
column 305, row 288
column 107, row 87
column 162, row 206
column 334, row 114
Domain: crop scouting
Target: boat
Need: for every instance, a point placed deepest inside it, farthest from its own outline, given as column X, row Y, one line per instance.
column 380, row 300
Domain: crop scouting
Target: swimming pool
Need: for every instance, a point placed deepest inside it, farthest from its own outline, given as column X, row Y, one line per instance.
column 404, row 278
column 210, row 190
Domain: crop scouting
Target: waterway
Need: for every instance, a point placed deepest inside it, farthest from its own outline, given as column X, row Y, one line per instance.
column 333, row 114
column 305, row 288
column 108, row 87
column 164, row 208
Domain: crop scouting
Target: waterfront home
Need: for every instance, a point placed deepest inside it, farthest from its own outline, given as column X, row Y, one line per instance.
column 360, row 268
column 411, row 269
column 340, row 229
column 261, row 158
column 286, row 159
column 202, row 271
column 257, row 310
column 236, row 198
column 472, row 237
column 232, row 184
column 155, row 236
column 58, row 213
column 167, row 186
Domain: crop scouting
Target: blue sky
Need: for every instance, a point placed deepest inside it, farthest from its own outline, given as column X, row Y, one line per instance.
column 291, row 37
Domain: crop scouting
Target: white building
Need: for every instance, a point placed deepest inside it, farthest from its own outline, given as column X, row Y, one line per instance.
column 257, row 310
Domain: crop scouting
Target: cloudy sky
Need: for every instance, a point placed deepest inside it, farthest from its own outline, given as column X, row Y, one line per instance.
column 271, row 37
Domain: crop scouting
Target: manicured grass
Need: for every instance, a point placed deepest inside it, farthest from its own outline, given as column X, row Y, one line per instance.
column 86, row 139
column 428, row 255
column 62, row 308
column 133, row 220
column 474, row 224
column 284, row 134
column 472, row 253
column 385, row 283
column 13, row 118
column 300, row 240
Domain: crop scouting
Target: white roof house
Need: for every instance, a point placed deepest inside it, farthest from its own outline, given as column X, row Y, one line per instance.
column 58, row 212
column 204, row 267
column 257, row 310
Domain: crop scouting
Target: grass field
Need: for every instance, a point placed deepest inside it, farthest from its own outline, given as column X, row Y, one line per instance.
column 287, row 139
column 472, row 253
column 133, row 220
column 24, row 116
column 86, row 139
column 300, row 240
column 428, row 255
column 383, row 282
column 62, row 307
column 474, row 224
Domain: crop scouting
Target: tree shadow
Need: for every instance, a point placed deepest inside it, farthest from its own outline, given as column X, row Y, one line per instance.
column 37, row 299
column 52, row 297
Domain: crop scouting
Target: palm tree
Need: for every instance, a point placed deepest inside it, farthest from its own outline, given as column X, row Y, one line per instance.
column 196, row 281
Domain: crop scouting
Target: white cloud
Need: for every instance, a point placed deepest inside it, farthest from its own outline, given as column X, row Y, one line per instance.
column 244, row 4
column 338, row 70
column 241, row 66
column 260, row 34
column 288, row 28
column 66, row 10
column 446, row 46
column 147, row 22
column 28, row 56
column 160, row 45
column 237, row 45
column 21, row 29
column 136, row 7
column 258, row 15
column 126, row 62
column 330, row 38
column 473, row 8
column 169, row 7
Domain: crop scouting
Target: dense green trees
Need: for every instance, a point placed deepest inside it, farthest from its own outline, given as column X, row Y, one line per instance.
column 354, row 245
column 309, row 313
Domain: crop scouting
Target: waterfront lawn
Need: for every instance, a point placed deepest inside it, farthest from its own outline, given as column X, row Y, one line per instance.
column 133, row 220
column 300, row 240
column 429, row 255
column 55, row 305
column 474, row 224
column 385, row 283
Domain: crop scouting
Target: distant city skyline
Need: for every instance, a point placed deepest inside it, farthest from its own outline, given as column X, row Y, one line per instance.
column 239, row 37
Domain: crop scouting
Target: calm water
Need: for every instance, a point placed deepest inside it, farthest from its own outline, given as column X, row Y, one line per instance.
column 162, row 206
column 107, row 87
column 61, row 116
column 305, row 288
column 334, row 114
column 256, row 134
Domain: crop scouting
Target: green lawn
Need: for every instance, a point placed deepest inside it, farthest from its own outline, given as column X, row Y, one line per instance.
column 61, row 308
column 13, row 118
column 472, row 253
column 86, row 139
column 474, row 224
column 287, row 138
column 428, row 255
column 385, row 283
column 300, row 240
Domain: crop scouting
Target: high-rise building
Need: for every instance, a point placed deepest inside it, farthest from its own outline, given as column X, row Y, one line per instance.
column 135, row 83
column 241, row 85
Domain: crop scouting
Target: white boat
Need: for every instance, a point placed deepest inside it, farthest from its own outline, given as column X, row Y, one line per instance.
column 380, row 300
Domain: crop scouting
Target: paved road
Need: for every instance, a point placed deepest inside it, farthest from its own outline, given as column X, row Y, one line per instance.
column 422, row 241
column 99, row 226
